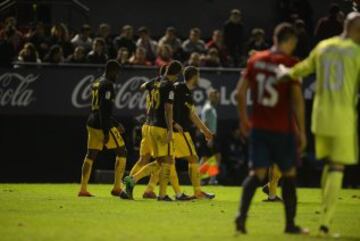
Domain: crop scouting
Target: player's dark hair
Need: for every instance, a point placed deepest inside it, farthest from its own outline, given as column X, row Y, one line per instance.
column 283, row 32
column 162, row 70
column 190, row 72
column 112, row 66
column 174, row 68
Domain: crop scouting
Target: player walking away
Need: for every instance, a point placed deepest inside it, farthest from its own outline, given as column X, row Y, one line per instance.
column 211, row 155
column 336, row 62
column 160, row 133
column 145, row 151
column 103, row 130
column 277, row 109
column 184, row 116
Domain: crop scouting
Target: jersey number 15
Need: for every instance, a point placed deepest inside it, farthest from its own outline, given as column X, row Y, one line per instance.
column 266, row 85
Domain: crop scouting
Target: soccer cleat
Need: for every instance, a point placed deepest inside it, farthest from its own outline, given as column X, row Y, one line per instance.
column 204, row 195
column 296, row 230
column 266, row 190
column 324, row 232
column 240, row 225
column 123, row 195
column 85, row 194
column 165, row 199
column 129, row 184
column 116, row 192
column 183, row 197
column 149, row 195
column 276, row 199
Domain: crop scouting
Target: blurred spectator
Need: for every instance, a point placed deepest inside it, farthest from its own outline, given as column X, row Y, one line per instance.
column 304, row 42
column 29, row 54
column 55, row 55
column 210, row 118
column 126, row 39
column 123, row 56
column 212, row 59
column 356, row 5
column 147, row 43
column 83, row 38
column 233, row 35
column 330, row 25
column 139, row 58
column 78, row 56
column 38, row 37
column 194, row 60
column 305, row 12
column 194, row 43
column 165, row 55
column 170, row 39
column 18, row 38
column 104, row 32
column 60, row 36
column 217, row 42
column 7, row 48
column 236, row 160
column 97, row 55
column 256, row 42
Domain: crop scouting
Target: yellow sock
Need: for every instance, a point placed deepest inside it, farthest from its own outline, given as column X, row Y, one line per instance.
column 136, row 168
column 85, row 173
column 119, row 172
column 194, row 175
column 275, row 176
column 164, row 178
column 146, row 171
column 154, row 179
column 324, row 176
column 332, row 186
column 174, row 180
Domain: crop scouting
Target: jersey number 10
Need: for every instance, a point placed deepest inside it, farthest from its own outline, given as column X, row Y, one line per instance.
column 266, row 85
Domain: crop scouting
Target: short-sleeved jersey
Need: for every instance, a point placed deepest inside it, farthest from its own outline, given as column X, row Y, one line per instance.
column 161, row 95
column 336, row 62
column 102, row 101
column 149, row 86
column 183, row 105
column 271, row 100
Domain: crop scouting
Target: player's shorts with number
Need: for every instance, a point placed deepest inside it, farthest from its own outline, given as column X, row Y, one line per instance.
column 184, row 145
column 267, row 148
column 159, row 147
column 145, row 145
column 96, row 139
column 339, row 149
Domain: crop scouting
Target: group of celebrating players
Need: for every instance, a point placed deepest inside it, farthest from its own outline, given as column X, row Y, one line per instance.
column 276, row 132
column 170, row 113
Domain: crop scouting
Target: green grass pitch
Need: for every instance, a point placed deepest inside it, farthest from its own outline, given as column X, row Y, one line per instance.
column 53, row 212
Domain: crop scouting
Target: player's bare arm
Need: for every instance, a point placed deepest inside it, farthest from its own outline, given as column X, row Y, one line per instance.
column 201, row 125
column 169, row 121
column 105, row 114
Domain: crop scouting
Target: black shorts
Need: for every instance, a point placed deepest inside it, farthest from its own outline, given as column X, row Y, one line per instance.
column 267, row 148
column 206, row 150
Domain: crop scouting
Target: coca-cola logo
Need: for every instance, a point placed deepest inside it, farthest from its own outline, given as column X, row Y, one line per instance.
column 127, row 96
column 15, row 89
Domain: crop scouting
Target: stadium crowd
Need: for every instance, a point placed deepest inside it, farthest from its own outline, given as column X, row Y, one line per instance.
column 227, row 47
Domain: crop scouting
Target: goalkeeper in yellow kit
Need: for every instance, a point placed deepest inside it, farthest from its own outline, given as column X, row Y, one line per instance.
column 336, row 62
